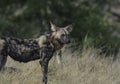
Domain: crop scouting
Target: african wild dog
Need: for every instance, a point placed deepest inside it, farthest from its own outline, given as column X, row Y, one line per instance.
column 25, row 50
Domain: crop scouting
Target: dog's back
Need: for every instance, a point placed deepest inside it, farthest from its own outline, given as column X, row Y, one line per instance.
column 21, row 50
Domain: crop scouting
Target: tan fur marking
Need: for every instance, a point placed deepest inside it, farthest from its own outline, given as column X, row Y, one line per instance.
column 1, row 44
column 41, row 40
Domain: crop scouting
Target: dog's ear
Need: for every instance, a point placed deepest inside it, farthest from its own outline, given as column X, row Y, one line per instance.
column 53, row 27
column 69, row 28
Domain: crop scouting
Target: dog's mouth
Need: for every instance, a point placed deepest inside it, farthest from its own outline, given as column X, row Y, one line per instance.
column 68, row 42
column 61, row 41
column 65, row 42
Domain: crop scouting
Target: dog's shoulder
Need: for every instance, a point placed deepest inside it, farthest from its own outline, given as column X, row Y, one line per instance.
column 41, row 40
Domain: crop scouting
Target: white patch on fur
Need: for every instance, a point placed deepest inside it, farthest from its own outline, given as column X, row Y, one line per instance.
column 58, row 59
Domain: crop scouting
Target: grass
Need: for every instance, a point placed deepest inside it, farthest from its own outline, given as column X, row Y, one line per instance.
column 87, row 67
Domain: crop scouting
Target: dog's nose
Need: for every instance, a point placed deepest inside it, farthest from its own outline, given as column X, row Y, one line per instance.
column 68, row 41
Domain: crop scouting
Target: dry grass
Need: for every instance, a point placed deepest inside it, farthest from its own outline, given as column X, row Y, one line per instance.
column 85, row 68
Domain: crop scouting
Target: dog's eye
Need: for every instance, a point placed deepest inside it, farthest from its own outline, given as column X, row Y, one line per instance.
column 68, row 35
column 63, row 35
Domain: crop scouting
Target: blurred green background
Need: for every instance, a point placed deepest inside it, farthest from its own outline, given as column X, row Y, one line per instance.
column 96, row 22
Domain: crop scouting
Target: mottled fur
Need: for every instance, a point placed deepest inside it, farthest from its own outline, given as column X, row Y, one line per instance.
column 43, row 48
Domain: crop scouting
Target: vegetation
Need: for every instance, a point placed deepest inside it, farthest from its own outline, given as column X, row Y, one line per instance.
column 30, row 18
column 87, row 67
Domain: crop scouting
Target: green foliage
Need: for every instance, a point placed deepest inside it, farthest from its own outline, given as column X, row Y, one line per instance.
column 29, row 18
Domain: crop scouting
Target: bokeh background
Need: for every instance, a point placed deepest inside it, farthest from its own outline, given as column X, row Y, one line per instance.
column 96, row 23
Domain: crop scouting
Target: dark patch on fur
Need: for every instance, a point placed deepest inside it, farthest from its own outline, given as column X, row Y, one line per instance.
column 24, row 50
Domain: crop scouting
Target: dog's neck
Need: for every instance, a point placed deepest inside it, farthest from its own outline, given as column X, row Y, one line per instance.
column 56, row 43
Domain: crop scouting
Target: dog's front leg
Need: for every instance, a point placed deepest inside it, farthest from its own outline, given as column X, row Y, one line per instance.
column 3, row 60
column 44, row 67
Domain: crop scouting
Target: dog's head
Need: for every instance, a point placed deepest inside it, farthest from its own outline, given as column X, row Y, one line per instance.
column 62, row 34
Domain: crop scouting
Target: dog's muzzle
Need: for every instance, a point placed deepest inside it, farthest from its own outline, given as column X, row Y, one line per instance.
column 68, row 42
